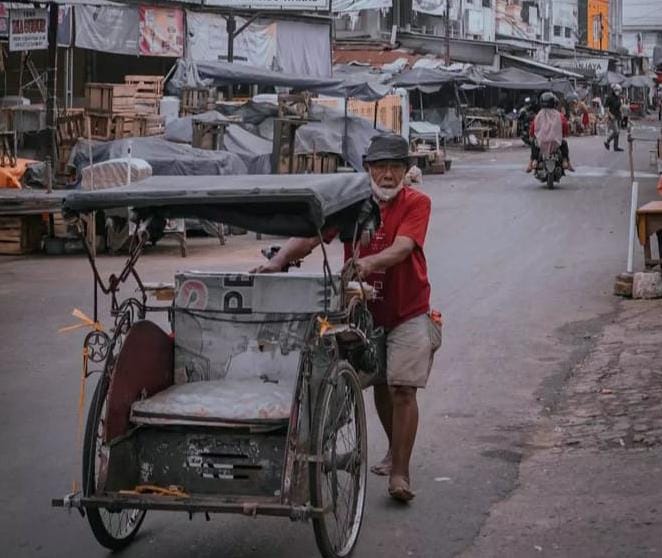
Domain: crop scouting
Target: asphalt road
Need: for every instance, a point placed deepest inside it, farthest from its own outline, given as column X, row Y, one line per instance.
column 522, row 275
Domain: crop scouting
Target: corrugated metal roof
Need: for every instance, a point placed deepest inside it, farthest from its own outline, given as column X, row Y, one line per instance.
column 375, row 57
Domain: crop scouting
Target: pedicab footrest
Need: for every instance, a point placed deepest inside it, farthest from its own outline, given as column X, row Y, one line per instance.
column 216, row 403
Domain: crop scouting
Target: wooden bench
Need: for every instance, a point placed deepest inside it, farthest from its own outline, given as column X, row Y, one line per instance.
column 649, row 222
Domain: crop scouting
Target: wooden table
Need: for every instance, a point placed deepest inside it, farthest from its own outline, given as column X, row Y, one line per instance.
column 649, row 222
column 482, row 136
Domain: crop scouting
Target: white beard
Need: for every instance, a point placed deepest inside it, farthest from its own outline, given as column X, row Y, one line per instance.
column 385, row 194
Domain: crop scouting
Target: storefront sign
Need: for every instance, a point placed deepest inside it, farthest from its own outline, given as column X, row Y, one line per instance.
column 28, row 29
column 161, row 31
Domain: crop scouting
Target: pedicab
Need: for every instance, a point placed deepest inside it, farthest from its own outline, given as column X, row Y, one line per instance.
column 249, row 401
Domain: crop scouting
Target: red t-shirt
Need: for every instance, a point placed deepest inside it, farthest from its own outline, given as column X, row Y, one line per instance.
column 403, row 291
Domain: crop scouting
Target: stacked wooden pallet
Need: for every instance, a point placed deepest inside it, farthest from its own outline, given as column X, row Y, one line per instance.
column 111, row 109
column 70, row 126
column 20, row 234
column 196, row 100
column 148, row 93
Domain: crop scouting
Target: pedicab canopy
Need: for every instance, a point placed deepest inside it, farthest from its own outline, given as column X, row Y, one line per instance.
column 285, row 205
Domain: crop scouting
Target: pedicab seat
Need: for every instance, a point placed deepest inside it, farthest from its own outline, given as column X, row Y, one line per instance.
column 216, row 403
column 238, row 340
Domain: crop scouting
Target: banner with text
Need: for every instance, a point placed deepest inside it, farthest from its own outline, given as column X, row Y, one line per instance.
column 28, row 29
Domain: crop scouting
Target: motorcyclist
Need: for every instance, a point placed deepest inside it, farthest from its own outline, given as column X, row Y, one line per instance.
column 549, row 104
column 614, row 116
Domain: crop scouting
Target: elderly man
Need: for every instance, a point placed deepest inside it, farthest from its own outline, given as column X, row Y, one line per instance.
column 393, row 263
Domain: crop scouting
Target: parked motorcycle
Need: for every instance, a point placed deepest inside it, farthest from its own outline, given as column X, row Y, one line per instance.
column 550, row 165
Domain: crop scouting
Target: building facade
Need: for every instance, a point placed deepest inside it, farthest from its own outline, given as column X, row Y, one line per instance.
column 642, row 26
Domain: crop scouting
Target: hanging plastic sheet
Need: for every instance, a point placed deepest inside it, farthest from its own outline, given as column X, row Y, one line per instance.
column 108, row 29
column 207, row 40
column 304, row 49
column 435, row 7
column 344, row 6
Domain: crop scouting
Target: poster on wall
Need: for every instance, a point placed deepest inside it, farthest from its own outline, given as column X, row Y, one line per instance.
column 28, row 29
column 4, row 21
column 161, row 31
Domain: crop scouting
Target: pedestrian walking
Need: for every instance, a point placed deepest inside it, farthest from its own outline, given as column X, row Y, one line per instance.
column 614, row 116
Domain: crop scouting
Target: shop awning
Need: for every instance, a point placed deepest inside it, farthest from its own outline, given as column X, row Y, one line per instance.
column 539, row 68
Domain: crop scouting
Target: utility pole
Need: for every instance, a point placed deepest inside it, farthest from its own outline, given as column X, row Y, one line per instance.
column 448, row 32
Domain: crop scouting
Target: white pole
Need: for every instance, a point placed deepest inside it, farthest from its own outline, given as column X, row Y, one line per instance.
column 633, row 224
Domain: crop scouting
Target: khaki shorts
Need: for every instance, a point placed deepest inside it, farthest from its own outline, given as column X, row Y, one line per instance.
column 410, row 349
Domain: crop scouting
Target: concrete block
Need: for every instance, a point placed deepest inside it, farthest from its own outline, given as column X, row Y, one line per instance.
column 647, row 285
column 623, row 285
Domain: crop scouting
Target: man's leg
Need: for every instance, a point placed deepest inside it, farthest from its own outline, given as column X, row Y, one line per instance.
column 617, row 130
column 384, row 406
column 565, row 154
column 405, row 424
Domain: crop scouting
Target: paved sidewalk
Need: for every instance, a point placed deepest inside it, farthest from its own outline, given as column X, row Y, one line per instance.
column 592, row 483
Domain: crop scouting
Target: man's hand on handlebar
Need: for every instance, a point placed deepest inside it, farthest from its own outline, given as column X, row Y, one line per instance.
column 267, row 267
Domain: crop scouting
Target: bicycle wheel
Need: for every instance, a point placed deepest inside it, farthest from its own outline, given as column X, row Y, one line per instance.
column 338, row 479
column 113, row 529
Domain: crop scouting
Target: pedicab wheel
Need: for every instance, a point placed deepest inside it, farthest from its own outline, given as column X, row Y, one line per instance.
column 338, row 478
column 550, row 180
column 112, row 529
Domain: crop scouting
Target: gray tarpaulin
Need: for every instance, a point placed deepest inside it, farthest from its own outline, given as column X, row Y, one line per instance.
column 519, row 80
column 225, row 73
column 325, row 135
column 253, row 150
column 113, row 29
column 278, row 204
column 165, row 157
column 359, row 83
column 428, row 80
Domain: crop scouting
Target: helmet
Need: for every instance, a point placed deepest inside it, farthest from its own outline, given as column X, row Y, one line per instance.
column 572, row 97
column 616, row 88
column 548, row 100
column 527, row 101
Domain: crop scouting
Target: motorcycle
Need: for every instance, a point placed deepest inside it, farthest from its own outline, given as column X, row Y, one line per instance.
column 550, row 164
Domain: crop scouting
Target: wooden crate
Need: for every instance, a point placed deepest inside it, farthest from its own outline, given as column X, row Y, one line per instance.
column 60, row 226
column 389, row 112
column 21, row 234
column 154, row 125
column 68, row 129
column 107, row 127
column 196, row 99
column 116, row 98
column 146, row 84
column 209, row 135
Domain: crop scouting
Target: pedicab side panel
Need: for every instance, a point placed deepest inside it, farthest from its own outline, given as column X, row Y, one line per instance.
column 144, row 367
